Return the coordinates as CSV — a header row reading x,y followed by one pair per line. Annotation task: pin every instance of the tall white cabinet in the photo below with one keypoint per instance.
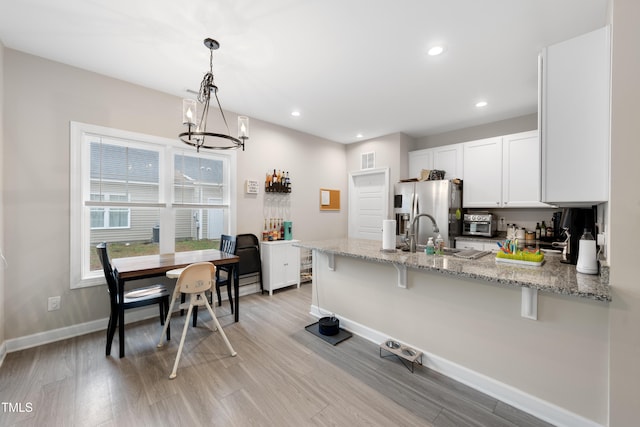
x,y
575,119
280,264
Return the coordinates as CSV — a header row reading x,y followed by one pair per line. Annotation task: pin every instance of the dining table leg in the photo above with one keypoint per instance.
x,y
236,291
121,317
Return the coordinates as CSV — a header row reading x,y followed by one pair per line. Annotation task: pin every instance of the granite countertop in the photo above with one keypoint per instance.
x,y
553,276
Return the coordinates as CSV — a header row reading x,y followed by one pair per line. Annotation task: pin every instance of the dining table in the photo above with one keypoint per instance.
x,y
145,266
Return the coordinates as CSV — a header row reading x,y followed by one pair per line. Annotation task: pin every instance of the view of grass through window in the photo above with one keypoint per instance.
x,y
124,250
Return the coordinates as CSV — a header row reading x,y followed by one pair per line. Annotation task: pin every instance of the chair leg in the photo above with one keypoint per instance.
x,y
219,328
121,330
184,334
229,295
195,316
165,304
111,330
167,322
219,296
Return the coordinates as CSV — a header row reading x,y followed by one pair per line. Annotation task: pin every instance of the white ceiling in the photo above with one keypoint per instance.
x,y
348,66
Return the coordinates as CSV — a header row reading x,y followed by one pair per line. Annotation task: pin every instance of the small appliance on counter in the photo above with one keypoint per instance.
x,y
288,230
587,254
479,224
573,224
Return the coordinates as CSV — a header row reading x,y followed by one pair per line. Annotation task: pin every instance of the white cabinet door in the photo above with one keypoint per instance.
x,y
574,113
449,158
280,264
482,186
521,171
418,160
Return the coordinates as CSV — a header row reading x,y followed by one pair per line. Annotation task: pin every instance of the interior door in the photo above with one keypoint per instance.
x,y
368,203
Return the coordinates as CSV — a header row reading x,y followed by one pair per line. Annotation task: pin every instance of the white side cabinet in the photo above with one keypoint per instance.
x,y
280,264
575,119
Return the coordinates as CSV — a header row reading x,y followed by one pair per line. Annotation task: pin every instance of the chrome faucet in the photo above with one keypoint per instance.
x,y
411,231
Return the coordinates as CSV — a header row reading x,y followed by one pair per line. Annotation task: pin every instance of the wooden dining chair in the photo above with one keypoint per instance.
x,y
139,297
194,281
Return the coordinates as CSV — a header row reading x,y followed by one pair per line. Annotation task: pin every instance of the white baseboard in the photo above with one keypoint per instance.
x,y
53,335
517,398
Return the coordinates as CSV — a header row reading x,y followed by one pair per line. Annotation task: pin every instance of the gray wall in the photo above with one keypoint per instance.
x,y
503,127
2,247
624,204
36,179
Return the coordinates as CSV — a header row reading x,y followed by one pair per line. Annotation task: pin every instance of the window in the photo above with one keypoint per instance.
x,y
143,195
110,217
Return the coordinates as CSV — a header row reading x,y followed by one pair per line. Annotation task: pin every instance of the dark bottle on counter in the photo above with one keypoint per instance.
x,y
538,231
543,230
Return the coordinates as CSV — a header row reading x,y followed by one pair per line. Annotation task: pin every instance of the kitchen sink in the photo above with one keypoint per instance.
x,y
450,251
420,248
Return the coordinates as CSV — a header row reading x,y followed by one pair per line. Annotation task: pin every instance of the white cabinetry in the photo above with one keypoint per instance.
x,y
503,172
448,158
482,186
418,160
574,113
521,171
280,264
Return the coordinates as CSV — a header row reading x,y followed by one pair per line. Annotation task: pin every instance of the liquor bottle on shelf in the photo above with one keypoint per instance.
x,y
265,231
274,230
281,229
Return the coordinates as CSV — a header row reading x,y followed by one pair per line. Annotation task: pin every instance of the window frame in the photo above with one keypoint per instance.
x,y
80,178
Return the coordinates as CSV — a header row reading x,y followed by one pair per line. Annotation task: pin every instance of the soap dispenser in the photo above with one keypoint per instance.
x,y
587,258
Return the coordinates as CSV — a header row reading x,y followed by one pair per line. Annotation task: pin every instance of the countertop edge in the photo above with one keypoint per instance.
x,y
384,257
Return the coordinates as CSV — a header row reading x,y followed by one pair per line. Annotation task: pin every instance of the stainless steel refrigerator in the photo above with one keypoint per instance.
x,y
441,199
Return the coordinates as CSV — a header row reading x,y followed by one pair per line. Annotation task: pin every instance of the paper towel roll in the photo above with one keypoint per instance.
x,y
388,234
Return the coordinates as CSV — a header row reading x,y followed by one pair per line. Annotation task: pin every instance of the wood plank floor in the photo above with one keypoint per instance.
x,y
282,376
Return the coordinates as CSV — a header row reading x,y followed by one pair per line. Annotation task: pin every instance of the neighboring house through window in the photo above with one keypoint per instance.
x,y
143,195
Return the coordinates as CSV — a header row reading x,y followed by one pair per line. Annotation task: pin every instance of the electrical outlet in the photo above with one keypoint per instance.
x,y
53,303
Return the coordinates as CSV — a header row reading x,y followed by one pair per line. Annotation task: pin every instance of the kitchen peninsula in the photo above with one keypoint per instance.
x,y
466,316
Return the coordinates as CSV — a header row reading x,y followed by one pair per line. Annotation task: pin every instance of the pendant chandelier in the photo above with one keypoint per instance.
x,y
197,134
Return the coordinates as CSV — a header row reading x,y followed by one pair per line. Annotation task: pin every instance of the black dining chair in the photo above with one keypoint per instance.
x,y
227,245
248,250
140,297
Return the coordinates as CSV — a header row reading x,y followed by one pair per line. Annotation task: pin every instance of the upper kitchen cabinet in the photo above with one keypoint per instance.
x,y
448,158
482,187
521,171
503,172
418,160
575,119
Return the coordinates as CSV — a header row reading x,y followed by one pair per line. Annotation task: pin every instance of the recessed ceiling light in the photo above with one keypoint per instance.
x,y
481,104
359,135
435,50
295,113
